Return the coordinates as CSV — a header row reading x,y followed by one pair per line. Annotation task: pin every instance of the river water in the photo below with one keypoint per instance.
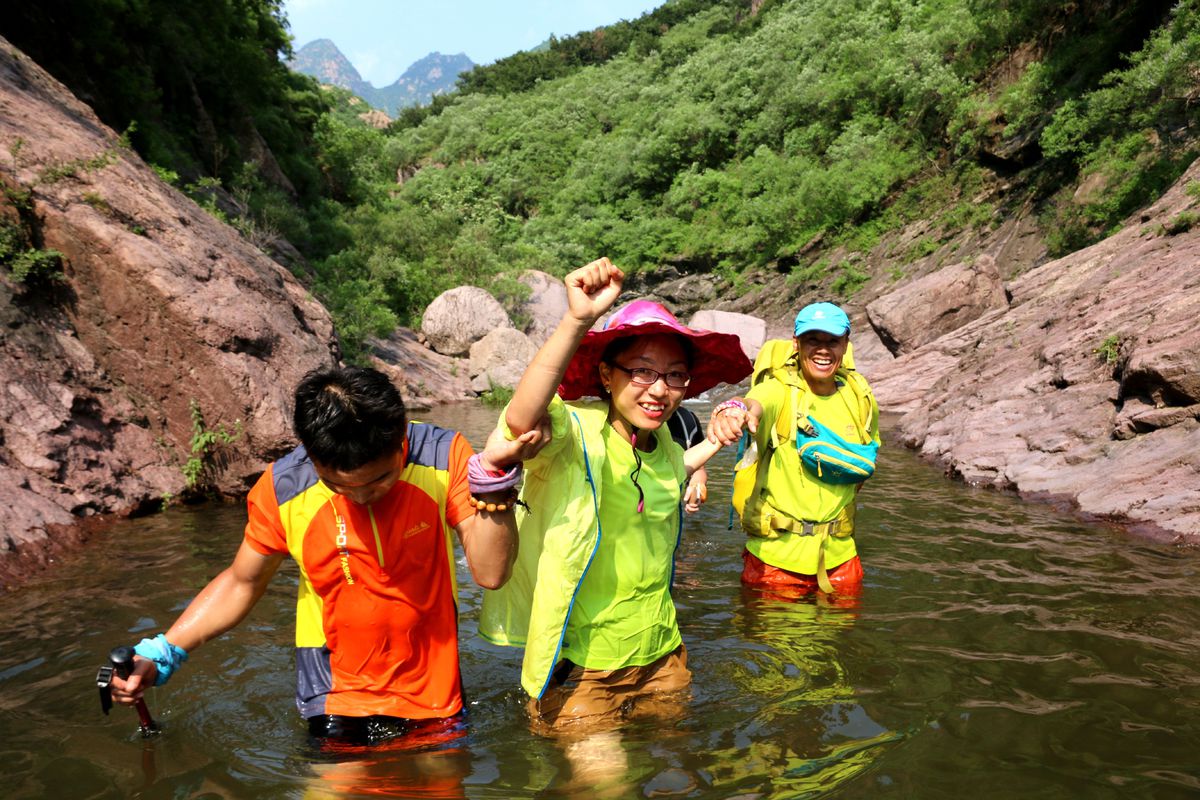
x,y
1000,650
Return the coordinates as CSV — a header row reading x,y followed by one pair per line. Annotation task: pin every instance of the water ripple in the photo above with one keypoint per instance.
x,y
998,648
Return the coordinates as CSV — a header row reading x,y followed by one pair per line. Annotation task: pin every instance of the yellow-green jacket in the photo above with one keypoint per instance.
x,y
559,534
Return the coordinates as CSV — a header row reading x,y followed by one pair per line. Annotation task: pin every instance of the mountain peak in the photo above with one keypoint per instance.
x,y
322,59
433,74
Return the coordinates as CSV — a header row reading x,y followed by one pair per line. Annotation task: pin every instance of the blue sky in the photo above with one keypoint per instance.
x,y
383,37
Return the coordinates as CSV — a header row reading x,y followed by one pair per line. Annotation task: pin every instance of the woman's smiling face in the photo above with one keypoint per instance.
x,y
644,407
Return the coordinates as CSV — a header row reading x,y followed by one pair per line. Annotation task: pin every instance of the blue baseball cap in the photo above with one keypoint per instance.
x,y
825,317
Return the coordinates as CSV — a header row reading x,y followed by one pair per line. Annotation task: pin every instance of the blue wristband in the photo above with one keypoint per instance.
x,y
166,656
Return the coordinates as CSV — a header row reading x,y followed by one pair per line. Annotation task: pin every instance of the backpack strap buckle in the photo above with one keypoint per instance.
x,y
810,528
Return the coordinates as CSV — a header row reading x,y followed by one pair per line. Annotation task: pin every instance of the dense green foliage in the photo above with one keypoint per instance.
x,y
723,141
1136,131
708,134
199,79
560,57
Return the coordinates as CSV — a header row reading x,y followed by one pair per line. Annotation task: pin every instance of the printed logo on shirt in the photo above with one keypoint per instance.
x,y
420,527
342,541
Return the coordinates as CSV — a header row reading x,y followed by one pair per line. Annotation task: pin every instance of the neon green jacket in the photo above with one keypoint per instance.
x,y
559,534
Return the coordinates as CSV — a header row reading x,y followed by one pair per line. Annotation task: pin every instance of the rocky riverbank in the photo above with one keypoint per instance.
x,y
1084,387
146,322
1076,380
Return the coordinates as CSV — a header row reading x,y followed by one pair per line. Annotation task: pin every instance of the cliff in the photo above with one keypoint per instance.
x,y
1085,388
139,313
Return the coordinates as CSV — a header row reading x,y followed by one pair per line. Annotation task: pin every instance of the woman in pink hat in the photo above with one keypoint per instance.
x,y
590,599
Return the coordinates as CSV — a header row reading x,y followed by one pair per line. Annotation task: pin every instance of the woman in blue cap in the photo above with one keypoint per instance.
x,y
815,425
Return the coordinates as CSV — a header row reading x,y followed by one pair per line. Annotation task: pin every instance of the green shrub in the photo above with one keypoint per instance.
x,y
209,450
1181,223
850,279
204,193
32,265
25,264
167,176
925,246
810,273
359,310
1109,350
496,396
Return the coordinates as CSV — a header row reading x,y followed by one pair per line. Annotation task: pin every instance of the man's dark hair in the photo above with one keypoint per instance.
x,y
348,416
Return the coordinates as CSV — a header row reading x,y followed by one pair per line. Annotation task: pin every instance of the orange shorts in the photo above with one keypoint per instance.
x,y
597,698
846,578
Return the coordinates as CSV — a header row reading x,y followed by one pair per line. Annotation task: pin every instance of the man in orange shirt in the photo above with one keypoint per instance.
x,y
365,506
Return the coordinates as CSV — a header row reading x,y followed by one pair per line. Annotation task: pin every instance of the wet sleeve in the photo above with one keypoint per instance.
x,y
264,531
560,433
458,491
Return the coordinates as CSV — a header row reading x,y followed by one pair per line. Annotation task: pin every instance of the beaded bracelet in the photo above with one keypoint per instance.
x,y
510,502
729,404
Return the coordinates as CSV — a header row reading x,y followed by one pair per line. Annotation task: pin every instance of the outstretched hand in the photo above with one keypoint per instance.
x,y
725,425
697,491
501,452
592,290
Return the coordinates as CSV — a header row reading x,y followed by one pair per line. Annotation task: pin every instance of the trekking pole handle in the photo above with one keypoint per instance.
x,y
122,664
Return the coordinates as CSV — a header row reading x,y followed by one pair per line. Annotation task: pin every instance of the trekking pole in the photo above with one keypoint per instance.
x,y
121,663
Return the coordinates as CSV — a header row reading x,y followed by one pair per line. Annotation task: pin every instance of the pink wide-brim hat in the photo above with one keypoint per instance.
x,y
717,357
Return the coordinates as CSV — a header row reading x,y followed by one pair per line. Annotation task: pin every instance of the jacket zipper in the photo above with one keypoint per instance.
x,y
378,541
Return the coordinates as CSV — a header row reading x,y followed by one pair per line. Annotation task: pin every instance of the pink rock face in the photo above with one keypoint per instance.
x,y
944,301
161,306
1086,388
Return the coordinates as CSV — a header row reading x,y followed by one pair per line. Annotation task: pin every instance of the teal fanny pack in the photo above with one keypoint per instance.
x,y
832,459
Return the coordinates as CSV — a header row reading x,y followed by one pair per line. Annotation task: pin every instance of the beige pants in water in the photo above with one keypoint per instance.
x,y
583,708
600,698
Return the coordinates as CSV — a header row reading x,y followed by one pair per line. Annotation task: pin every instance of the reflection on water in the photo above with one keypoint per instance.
x,y
999,649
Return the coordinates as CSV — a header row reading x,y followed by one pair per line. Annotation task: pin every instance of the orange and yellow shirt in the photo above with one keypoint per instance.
x,y
376,614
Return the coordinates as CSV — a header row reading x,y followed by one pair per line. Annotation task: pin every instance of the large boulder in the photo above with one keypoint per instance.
x,y
500,359
750,330
921,311
425,378
457,318
545,307
688,292
160,312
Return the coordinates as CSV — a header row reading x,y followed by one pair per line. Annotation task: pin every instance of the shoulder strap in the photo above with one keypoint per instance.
x,y
861,390
784,429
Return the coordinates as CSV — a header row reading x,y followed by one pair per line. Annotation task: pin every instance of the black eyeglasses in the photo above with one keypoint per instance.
x,y
643,376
